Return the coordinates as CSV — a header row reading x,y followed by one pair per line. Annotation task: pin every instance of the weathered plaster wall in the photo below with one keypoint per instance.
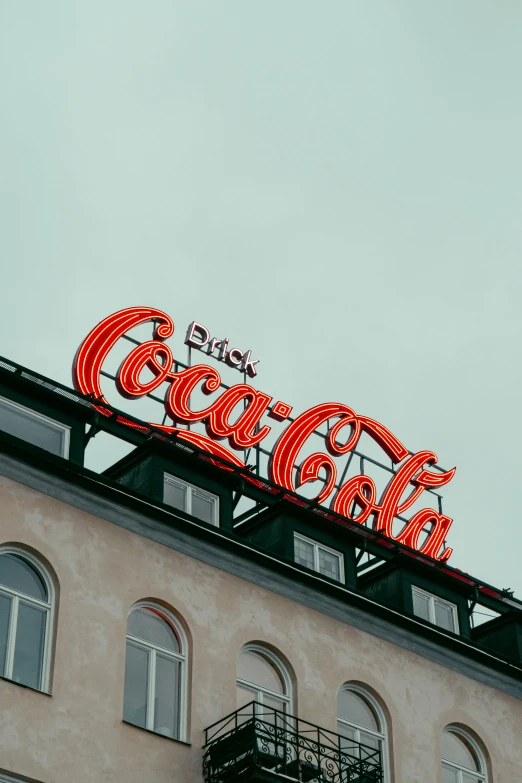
x,y
77,734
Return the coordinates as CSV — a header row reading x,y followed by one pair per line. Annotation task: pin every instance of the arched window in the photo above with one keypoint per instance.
x,y
155,672
360,721
261,677
26,608
462,761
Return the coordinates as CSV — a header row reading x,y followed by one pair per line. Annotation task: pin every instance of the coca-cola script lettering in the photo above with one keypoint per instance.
x,y
356,499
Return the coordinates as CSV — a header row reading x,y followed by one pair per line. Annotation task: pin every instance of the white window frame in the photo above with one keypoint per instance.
x,y
482,776
151,650
49,608
64,428
382,735
434,599
317,546
257,690
8,779
169,478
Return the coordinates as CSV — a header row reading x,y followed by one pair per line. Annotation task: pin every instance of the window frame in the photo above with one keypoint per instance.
x,y
49,607
286,698
383,735
65,428
317,545
434,599
6,778
187,485
152,650
483,775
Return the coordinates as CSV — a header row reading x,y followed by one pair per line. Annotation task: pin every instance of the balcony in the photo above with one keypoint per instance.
x,y
257,743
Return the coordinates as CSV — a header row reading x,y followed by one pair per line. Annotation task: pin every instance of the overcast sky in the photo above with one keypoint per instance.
x,y
335,185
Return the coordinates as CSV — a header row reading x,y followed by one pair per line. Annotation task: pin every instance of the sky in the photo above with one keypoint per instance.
x,y
336,186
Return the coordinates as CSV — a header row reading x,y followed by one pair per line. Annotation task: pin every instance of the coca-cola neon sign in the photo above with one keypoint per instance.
x,y
358,494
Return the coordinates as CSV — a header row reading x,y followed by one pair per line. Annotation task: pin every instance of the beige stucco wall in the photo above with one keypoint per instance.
x,y
77,735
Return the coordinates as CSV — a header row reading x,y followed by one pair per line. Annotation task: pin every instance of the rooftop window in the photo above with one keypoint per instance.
x,y
435,610
318,557
34,427
191,499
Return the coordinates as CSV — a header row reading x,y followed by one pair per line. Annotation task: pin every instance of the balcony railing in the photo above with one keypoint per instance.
x,y
256,743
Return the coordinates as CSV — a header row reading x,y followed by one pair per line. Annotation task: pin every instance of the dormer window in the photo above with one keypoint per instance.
x,y
318,557
34,427
191,499
435,610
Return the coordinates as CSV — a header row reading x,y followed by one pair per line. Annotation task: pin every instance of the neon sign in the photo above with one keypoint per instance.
x,y
357,499
198,336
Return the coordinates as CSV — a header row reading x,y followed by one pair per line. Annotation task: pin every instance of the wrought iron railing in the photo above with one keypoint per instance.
x,y
259,743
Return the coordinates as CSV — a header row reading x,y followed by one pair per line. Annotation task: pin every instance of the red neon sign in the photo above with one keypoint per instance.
x,y
358,493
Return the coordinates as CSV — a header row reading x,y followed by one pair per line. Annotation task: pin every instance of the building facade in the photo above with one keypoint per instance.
x,y
148,635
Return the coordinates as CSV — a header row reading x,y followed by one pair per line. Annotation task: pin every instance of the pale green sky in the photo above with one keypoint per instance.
x,y
333,180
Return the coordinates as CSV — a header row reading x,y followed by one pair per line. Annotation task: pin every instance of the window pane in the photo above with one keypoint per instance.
x,y
370,741
203,507
421,605
467,778
456,749
356,709
29,645
175,495
348,737
136,680
245,696
257,669
24,424
449,775
303,553
444,617
5,610
167,696
274,704
147,625
330,564
272,709
371,748
16,573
